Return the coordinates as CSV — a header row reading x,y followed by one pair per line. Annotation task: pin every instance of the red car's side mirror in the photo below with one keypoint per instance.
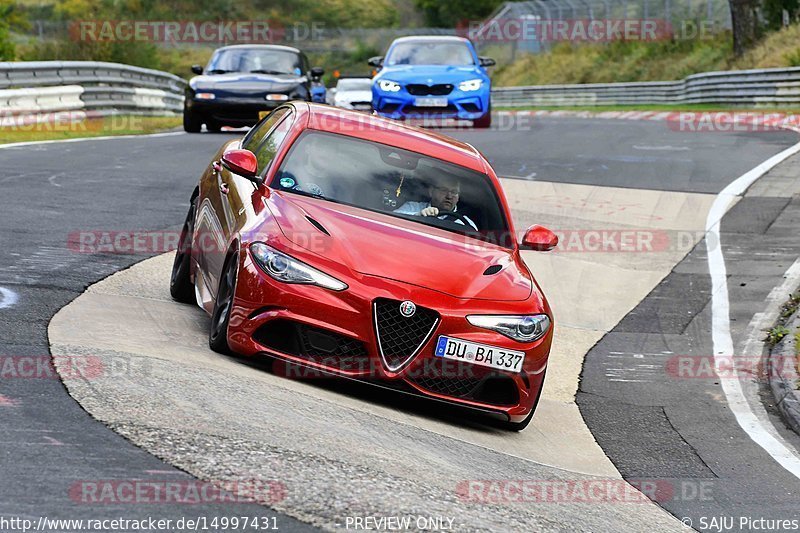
x,y
539,238
241,162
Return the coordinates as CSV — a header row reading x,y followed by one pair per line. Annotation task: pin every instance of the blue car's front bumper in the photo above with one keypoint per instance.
x,y
461,105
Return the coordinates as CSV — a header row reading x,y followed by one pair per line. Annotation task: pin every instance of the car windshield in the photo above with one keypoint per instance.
x,y
395,182
430,53
263,60
354,85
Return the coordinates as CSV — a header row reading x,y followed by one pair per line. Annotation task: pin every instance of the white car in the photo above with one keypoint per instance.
x,y
354,93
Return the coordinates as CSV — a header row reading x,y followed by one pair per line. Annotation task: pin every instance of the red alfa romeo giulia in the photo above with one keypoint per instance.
x,y
352,245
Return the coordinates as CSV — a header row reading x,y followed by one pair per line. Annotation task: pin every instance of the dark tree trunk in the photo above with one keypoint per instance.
x,y
745,24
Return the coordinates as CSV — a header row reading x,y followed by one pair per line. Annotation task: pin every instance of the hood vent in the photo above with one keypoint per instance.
x,y
318,225
494,269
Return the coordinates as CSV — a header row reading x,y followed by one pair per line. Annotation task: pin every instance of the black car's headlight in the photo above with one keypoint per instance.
x,y
287,269
521,328
204,96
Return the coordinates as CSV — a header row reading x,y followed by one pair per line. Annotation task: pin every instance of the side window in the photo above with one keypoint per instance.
x,y
260,130
269,147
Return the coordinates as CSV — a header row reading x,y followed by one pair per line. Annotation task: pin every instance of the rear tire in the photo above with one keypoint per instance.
x,y
180,284
519,426
485,121
191,122
223,304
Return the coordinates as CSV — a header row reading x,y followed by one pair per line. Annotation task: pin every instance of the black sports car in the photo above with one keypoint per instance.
x,y
242,83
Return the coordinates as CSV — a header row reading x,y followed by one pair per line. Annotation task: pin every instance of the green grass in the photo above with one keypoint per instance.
x,y
776,334
97,127
647,61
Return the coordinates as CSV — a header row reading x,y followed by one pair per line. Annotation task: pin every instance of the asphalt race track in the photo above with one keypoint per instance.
x,y
202,413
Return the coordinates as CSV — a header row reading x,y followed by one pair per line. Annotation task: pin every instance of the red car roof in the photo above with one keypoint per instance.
x,y
390,132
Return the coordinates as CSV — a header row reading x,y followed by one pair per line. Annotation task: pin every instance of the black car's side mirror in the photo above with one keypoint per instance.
x,y
487,61
376,61
197,69
317,72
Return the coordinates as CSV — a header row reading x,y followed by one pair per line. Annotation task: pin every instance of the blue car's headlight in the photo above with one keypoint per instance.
x,y
470,85
521,328
388,86
287,269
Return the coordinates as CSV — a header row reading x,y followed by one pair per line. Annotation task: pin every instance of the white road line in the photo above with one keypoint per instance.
x,y
7,297
82,139
720,318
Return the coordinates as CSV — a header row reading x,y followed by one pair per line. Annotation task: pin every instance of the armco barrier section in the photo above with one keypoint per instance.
x,y
43,87
758,87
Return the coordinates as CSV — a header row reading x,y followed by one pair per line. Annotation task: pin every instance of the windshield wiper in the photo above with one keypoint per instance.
x,y
263,71
306,193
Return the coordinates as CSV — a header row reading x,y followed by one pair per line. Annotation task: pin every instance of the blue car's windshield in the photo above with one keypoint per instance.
x,y
263,60
430,53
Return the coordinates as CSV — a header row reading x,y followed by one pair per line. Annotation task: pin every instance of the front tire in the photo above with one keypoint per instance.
x,y
180,284
191,122
223,305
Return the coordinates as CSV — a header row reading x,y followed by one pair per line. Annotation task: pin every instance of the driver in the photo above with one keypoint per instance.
x,y
444,192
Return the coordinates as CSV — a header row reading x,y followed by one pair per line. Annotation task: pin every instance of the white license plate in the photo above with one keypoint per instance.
x,y
430,102
479,354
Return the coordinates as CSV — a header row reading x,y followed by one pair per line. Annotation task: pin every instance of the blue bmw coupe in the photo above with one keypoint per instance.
x,y
433,77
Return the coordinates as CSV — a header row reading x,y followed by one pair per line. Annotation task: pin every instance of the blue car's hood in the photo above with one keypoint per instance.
x,y
436,73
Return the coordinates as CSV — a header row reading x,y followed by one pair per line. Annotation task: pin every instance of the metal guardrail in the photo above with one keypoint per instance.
x,y
38,87
758,87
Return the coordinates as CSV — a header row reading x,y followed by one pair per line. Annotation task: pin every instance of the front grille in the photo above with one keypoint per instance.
x,y
419,89
465,381
315,344
400,337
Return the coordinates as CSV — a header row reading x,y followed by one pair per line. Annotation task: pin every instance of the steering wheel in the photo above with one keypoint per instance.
x,y
455,216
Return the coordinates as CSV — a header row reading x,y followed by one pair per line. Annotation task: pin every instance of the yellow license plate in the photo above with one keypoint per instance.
x,y
262,114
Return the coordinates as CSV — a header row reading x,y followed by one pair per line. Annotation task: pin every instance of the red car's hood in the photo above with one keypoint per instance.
x,y
389,247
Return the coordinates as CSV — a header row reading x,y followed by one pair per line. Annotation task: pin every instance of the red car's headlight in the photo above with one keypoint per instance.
x,y
287,269
521,328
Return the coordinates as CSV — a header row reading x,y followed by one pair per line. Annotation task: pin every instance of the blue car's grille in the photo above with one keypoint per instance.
x,y
419,89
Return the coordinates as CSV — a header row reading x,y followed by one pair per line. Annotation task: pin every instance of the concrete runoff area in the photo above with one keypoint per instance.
x,y
210,410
